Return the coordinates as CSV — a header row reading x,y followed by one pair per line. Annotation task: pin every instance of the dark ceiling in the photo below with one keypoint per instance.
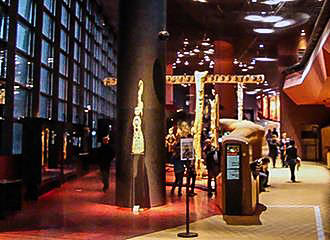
x,y
224,20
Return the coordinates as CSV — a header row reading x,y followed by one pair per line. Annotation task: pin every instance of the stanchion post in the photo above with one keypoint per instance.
x,y
187,233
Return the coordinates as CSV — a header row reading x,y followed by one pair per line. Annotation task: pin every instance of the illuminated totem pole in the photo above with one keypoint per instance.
x,y
198,123
215,121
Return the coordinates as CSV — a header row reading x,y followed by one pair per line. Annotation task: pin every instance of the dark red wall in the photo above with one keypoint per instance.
x,y
293,117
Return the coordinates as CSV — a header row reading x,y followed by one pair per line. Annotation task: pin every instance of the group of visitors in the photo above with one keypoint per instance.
x,y
285,147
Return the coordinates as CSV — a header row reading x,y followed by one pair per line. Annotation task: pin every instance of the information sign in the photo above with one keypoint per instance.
x,y
233,161
187,149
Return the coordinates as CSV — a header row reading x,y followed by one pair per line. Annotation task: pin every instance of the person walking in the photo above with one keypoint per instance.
x,y
106,154
178,171
273,150
291,158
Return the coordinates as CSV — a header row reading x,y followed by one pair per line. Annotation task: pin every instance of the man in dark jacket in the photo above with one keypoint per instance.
x,y
291,158
273,150
209,155
105,155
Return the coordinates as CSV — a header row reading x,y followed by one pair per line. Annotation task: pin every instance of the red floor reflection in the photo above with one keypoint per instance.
x,y
80,210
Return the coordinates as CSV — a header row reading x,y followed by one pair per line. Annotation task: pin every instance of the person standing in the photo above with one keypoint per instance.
x,y
178,171
209,154
269,137
273,150
274,132
291,158
106,155
283,143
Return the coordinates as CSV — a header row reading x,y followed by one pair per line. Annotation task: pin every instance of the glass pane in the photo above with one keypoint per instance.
x,y
67,2
24,36
76,52
45,107
3,63
47,26
26,9
64,41
77,31
65,17
63,65
62,89
23,70
78,11
50,5
47,54
76,73
75,94
75,116
17,138
61,111
21,107
4,24
45,81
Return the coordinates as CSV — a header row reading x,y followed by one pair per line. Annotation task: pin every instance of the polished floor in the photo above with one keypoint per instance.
x,y
80,210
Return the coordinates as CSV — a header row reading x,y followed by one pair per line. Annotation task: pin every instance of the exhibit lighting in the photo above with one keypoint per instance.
x,y
261,45
180,55
263,30
186,63
240,64
244,70
284,23
250,67
178,61
235,61
186,42
196,50
302,32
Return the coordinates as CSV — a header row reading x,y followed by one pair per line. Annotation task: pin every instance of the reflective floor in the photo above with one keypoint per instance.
x,y
80,210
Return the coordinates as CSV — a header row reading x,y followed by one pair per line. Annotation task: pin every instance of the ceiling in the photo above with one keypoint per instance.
x,y
224,20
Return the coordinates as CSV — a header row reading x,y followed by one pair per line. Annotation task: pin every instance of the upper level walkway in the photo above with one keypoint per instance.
x,y
79,210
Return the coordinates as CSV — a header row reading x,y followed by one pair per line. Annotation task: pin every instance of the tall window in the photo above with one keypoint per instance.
x,y
26,8
24,38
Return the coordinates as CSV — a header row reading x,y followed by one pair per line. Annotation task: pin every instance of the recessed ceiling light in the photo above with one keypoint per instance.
x,y
254,18
272,19
263,30
275,2
265,59
284,23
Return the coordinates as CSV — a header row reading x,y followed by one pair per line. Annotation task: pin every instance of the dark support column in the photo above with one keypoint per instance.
x,y
141,56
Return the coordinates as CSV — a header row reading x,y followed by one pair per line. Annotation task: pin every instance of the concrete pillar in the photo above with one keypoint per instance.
x,y
140,179
224,65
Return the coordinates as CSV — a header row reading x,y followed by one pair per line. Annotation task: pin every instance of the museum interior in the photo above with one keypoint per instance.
x,y
146,119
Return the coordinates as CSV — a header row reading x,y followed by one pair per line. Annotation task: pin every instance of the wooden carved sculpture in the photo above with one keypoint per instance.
x,y
198,123
215,121
138,138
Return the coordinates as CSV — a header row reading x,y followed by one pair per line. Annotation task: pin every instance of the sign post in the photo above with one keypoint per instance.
x,y
187,154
